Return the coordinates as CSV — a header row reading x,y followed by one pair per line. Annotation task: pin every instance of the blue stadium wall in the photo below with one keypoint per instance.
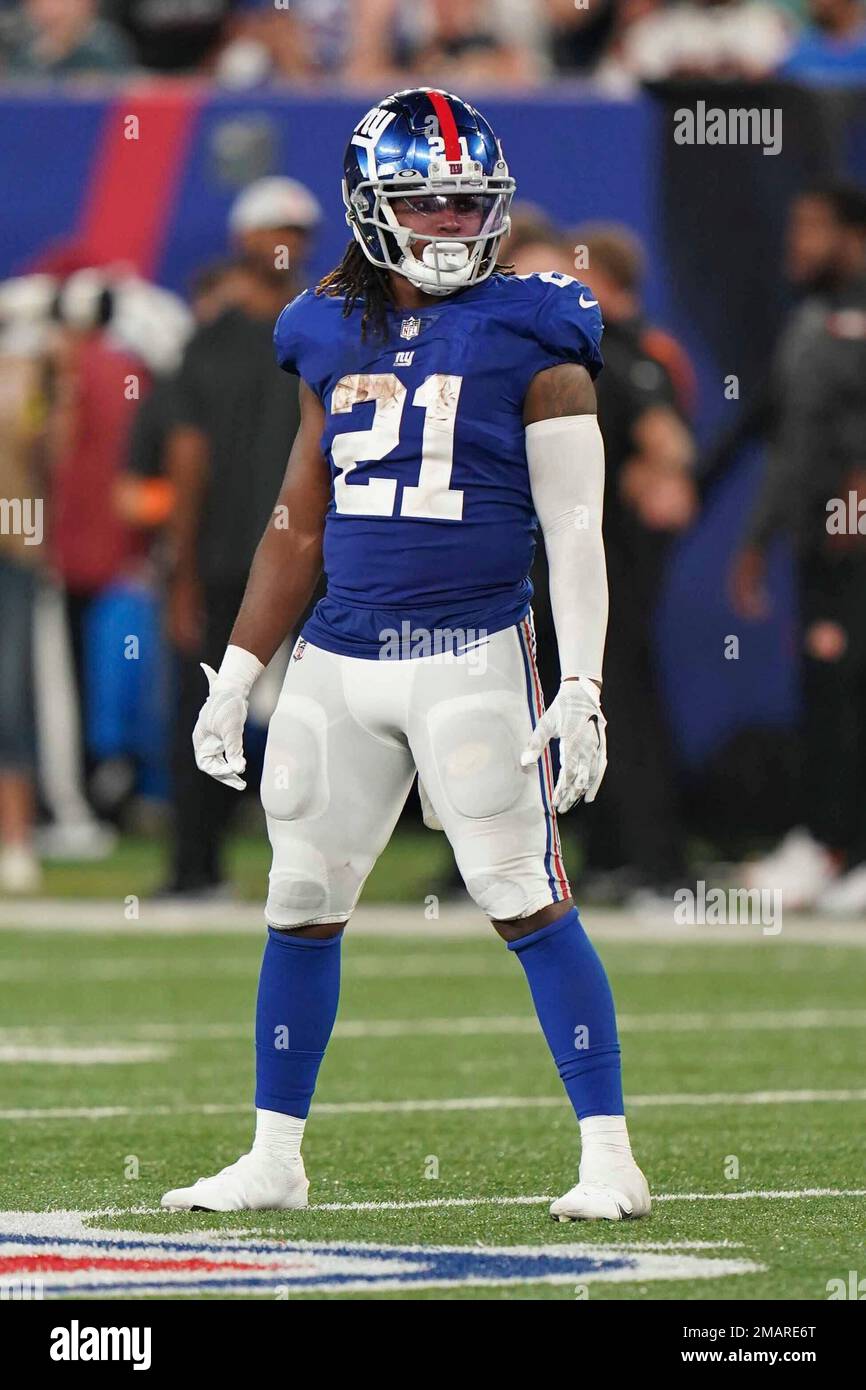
x,y
71,183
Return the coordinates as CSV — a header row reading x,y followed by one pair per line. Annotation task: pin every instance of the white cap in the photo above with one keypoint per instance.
x,y
274,202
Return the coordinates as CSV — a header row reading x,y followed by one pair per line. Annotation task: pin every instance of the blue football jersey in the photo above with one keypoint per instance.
x,y
430,526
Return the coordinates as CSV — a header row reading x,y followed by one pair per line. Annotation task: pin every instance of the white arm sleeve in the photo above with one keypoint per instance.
x,y
566,477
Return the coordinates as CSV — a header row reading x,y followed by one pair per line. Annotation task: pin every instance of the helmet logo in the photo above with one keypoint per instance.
x,y
371,127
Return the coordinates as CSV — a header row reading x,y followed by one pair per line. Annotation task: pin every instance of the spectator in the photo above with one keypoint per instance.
x,y
537,254
581,34
89,426
307,39
529,224
447,42
235,422
706,38
815,454
473,41
172,35
833,47
143,495
64,38
635,838
21,550
272,223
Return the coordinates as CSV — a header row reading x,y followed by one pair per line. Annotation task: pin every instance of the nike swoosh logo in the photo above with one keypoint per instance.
x,y
587,303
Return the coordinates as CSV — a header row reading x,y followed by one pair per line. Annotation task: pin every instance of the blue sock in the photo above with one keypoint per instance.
x,y
299,987
574,1004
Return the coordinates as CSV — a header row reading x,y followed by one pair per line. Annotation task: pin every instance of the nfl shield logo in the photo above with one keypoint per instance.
x,y
410,328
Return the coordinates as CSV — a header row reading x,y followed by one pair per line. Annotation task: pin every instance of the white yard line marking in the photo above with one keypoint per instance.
x,y
82,1056
442,1106
764,1020
405,921
434,1202
785,1195
444,1203
101,969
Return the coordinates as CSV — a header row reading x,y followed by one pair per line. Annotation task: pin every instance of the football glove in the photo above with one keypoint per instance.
x,y
218,737
575,718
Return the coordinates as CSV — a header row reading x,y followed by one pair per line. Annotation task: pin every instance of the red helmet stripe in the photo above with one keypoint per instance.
x,y
447,124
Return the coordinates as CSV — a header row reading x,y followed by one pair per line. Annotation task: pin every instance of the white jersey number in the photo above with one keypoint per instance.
x,y
432,497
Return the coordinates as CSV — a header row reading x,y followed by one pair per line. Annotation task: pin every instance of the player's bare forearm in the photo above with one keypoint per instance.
x,y
288,560
566,389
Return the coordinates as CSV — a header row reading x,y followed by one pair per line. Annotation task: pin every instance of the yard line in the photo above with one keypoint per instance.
x,y
435,1203
401,921
106,968
83,1056
784,1195
763,1020
440,1106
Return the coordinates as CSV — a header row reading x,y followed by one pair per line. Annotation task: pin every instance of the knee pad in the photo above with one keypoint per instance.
x,y
295,772
298,884
503,898
476,743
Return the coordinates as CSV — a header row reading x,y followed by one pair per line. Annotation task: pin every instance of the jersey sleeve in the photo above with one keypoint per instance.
x,y
290,335
567,323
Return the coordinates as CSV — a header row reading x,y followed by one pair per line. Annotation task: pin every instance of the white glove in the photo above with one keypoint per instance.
x,y
575,718
218,737
428,814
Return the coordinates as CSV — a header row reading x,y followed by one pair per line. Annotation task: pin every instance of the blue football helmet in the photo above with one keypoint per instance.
x,y
427,155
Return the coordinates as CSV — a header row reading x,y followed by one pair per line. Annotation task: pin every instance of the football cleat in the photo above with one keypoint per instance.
x,y
626,1198
427,152
251,1184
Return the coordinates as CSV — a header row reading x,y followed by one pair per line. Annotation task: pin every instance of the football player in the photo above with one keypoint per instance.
x,y
448,411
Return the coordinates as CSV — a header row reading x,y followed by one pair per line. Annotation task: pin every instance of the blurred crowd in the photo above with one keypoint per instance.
x,y
458,43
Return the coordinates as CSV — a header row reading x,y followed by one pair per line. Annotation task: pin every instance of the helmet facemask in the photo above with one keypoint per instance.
x,y
444,264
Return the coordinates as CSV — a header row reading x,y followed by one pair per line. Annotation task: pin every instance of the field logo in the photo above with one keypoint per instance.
x,y
72,1258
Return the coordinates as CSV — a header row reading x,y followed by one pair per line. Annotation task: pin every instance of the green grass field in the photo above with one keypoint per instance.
x,y
440,1024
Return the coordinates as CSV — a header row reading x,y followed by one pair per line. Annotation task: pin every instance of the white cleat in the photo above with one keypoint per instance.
x,y
625,1198
251,1184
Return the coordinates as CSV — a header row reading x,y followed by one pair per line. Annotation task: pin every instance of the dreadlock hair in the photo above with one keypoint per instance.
x,y
361,282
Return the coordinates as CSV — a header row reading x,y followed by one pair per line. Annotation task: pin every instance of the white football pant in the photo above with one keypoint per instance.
x,y
343,747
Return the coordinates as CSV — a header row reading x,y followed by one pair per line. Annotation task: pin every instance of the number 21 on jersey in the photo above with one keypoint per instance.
x,y
432,497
